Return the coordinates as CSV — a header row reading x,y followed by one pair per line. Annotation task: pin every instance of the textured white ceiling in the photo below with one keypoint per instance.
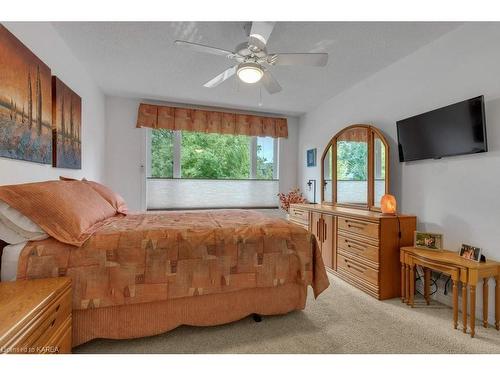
x,y
139,59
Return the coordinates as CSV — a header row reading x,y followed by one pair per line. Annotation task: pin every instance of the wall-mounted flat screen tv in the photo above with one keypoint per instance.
x,y
456,129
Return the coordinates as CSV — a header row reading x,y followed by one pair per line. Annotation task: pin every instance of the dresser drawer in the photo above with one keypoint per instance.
x,y
364,228
60,343
357,269
47,324
298,214
357,246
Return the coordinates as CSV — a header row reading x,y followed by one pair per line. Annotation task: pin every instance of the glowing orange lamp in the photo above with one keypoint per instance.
x,y
388,204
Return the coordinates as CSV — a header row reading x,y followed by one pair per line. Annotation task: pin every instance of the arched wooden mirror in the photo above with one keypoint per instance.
x,y
355,168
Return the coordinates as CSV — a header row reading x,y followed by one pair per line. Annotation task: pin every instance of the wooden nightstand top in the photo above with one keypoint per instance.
x,y
23,301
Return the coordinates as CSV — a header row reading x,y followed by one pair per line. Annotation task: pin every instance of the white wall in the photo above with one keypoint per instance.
x,y
457,196
125,152
45,42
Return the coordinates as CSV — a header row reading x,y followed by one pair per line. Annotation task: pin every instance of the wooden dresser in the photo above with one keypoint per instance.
x,y
359,246
35,316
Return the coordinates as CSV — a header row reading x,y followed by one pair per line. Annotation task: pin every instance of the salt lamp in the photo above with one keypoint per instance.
x,y
388,204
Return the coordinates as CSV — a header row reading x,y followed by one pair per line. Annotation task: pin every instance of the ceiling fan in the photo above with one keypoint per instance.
x,y
252,59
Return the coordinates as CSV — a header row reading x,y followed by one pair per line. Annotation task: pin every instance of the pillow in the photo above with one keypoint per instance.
x,y
18,221
16,228
66,210
114,199
12,237
9,235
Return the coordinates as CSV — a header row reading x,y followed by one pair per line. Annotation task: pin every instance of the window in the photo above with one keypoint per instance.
x,y
265,158
162,153
206,170
190,155
215,156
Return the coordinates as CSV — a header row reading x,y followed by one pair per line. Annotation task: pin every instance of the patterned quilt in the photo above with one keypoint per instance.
x,y
157,256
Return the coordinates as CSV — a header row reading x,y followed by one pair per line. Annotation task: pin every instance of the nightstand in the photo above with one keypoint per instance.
x,y
35,316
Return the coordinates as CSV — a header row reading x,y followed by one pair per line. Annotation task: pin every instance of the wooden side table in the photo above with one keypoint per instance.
x,y
466,271
35,316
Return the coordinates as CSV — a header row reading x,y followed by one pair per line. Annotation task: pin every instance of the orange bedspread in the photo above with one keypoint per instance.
x,y
159,256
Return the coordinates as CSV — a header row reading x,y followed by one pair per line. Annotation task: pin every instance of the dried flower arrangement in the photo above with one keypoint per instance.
x,y
294,196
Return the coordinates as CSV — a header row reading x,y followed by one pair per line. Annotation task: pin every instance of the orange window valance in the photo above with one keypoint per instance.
x,y
206,121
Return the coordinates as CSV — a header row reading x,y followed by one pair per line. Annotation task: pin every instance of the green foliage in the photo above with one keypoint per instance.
x,y
264,166
162,162
352,161
211,156
215,156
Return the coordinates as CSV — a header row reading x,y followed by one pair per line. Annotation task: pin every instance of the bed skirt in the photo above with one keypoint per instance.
x,y
153,318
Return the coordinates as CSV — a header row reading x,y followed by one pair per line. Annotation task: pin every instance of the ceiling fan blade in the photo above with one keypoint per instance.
x,y
259,34
312,59
228,73
271,85
204,48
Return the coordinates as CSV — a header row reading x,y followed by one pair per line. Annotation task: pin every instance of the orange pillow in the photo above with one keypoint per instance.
x,y
114,199
64,178
69,211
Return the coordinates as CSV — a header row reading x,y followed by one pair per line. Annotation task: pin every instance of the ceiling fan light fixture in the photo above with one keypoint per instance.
x,y
250,72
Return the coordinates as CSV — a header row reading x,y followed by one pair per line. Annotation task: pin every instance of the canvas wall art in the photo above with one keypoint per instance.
x,y
67,126
25,102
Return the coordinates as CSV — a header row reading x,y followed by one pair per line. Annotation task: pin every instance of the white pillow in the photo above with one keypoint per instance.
x,y
8,235
16,228
18,219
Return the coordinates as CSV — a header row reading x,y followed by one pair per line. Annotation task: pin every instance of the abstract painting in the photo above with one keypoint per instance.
x,y
67,126
25,102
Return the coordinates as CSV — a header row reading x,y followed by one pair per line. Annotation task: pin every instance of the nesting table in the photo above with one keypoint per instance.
x,y
465,271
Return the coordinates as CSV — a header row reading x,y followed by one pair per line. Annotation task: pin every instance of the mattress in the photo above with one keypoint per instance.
x,y
143,258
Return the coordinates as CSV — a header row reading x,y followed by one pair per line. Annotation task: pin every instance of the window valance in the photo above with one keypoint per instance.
x,y
200,120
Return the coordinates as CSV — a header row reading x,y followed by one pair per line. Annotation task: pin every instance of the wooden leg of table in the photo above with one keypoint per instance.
x,y
497,302
485,301
412,285
464,307
472,303
427,284
407,284
455,304
403,278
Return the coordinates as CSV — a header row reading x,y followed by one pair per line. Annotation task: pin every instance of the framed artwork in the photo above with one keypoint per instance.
x,y
423,240
25,103
311,157
66,126
470,252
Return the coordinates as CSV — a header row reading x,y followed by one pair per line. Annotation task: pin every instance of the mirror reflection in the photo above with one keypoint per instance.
x,y
352,166
380,155
327,175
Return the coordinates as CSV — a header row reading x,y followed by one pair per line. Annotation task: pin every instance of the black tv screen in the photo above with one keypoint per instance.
x,y
456,129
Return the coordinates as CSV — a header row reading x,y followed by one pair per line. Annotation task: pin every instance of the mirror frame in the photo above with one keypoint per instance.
x,y
372,132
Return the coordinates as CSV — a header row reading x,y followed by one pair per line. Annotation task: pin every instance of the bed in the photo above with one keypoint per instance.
x,y
141,274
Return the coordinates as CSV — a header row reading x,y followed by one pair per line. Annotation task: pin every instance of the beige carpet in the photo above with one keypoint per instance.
x,y
342,320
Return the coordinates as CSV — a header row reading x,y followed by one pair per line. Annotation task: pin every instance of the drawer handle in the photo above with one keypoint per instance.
x,y
357,222
57,308
362,270
355,226
357,247
52,323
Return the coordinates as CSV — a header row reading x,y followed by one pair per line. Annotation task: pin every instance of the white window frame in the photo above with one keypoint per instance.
x,y
177,149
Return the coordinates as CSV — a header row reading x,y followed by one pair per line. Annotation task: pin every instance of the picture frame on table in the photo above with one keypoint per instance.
x,y
425,240
470,252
